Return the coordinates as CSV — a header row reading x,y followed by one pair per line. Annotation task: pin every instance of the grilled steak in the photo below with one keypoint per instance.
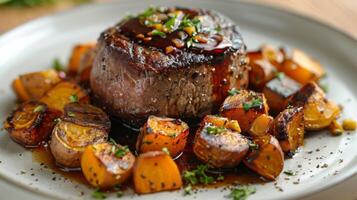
x,y
168,62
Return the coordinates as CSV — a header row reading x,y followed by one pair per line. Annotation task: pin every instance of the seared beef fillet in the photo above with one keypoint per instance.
x,y
140,71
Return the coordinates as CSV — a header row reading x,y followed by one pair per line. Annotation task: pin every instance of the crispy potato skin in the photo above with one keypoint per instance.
x,y
278,92
32,86
103,169
268,159
288,128
155,171
233,108
69,140
29,127
57,97
160,132
319,112
261,72
225,149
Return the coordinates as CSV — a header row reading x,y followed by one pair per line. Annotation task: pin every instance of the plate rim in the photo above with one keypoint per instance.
x,y
28,26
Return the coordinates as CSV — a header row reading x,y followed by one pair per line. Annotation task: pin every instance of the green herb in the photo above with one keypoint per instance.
x,y
241,193
121,151
113,141
97,194
218,28
120,194
170,23
166,150
220,178
214,130
40,108
156,32
253,146
57,120
280,75
233,92
198,175
187,190
73,98
324,87
289,173
71,114
187,22
147,13
57,65
257,102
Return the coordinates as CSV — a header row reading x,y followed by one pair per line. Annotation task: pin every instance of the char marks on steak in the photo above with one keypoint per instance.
x,y
134,75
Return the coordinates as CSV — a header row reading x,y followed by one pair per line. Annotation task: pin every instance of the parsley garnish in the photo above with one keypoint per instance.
x,y
170,23
97,194
214,130
253,146
257,102
187,190
113,141
198,175
39,108
241,193
57,65
166,150
147,13
73,98
71,114
289,173
233,92
121,151
156,32
218,28
280,75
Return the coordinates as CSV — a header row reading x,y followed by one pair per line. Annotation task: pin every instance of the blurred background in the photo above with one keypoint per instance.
x,y
341,14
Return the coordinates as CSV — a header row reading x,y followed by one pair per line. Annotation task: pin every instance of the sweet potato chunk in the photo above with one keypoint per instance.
x,y
158,133
319,112
218,145
32,86
106,165
244,107
279,91
261,72
289,129
155,171
63,93
302,68
80,58
267,52
261,126
69,140
30,123
266,160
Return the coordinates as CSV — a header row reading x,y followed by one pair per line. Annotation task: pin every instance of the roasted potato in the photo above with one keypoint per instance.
x,y
32,86
69,140
267,159
244,107
30,123
288,128
261,72
319,112
279,91
269,53
218,145
63,93
87,115
261,126
81,58
106,165
302,68
221,122
155,171
159,132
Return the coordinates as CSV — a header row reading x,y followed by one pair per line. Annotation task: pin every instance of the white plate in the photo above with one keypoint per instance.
x,y
32,47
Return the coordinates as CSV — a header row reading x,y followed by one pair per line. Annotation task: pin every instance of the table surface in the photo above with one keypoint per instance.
x,y
341,14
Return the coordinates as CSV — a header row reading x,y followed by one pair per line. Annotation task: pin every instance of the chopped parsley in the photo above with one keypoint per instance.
x,y
218,28
39,108
147,13
98,194
71,114
233,92
73,98
289,173
187,190
113,141
121,151
214,130
253,146
280,75
166,150
57,65
257,102
198,175
220,178
241,193
156,32
170,24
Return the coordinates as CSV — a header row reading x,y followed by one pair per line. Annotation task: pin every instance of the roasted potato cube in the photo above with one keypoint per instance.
x,y
261,72
33,86
81,58
349,124
319,112
266,160
159,132
69,140
279,91
244,107
219,146
63,93
267,52
30,123
302,68
288,128
261,126
221,122
335,128
87,115
155,171
106,165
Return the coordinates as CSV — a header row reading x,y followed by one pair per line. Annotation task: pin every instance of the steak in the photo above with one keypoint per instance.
x,y
157,64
